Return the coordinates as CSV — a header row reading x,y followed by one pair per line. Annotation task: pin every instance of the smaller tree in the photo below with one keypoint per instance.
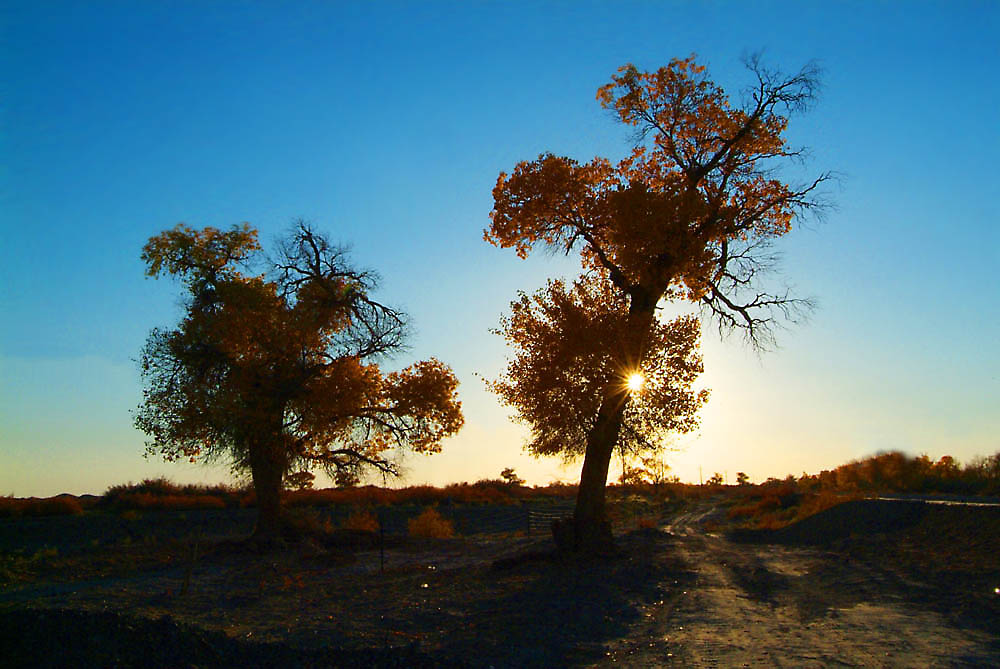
x,y
742,478
651,470
274,366
715,480
511,478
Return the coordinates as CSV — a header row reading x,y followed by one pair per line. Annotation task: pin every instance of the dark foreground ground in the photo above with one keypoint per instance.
x,y
863,584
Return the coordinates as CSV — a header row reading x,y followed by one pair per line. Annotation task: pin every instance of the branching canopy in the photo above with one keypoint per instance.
x,y
690,212
284,362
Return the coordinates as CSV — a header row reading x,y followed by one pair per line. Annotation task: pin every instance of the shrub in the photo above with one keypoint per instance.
x,y
430,524
53,506
10,506
145,501
646,523
361,520
48,506
304,522
161,493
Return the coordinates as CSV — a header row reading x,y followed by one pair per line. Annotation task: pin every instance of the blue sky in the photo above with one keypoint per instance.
x,y
386,124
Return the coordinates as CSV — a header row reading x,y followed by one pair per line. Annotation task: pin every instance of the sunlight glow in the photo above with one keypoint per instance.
x,y
635,382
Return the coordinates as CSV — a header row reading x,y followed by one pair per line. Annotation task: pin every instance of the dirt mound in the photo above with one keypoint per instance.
x,y
943,539
857,517
61,638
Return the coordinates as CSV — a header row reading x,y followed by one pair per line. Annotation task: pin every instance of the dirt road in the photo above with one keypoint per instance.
x,y
777,606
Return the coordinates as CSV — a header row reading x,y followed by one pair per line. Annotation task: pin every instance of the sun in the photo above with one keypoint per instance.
x,y
635,382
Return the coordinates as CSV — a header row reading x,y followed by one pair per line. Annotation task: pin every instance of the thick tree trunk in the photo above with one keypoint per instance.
x,y
267,466
589,530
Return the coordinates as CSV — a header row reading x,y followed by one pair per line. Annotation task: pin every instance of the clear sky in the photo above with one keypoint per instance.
x,y
386,124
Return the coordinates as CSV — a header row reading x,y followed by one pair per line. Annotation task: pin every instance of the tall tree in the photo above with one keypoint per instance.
x,y
687,215
278,371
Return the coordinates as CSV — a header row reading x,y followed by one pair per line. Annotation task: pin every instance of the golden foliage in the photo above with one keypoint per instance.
x,y
687,212
569,345
276,371
431,525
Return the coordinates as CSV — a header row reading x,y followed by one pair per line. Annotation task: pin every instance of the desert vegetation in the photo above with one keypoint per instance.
x,y
772,503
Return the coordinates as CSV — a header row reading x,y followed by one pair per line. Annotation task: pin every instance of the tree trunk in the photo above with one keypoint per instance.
x,y
267,467
589,530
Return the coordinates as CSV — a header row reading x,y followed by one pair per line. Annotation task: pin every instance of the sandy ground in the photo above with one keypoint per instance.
x,y
772,606
679,596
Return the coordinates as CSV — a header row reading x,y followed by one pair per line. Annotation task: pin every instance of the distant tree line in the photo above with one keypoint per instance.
x,y
898,472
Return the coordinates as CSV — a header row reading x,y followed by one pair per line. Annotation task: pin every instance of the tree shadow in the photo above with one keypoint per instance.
x,y
564,609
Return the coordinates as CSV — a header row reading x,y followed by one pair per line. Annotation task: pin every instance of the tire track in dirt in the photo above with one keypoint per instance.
x,y
777,606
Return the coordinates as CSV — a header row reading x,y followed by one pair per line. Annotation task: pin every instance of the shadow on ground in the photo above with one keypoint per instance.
x,y
563,611
535,609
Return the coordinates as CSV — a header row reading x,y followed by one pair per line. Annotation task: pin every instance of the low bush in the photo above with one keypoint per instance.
x,y
162,494
361,520
149,502
305,522
60,505
431,525
10,506
53,506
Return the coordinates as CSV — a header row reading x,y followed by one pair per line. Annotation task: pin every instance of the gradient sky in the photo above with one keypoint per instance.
x,y
386,124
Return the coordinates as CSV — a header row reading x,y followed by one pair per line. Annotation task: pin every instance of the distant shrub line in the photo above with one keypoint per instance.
x,y
897,472
773,503
162,494
34,506
777,503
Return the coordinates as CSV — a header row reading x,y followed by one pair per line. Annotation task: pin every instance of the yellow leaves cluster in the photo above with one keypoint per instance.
x,y
184,251
571,343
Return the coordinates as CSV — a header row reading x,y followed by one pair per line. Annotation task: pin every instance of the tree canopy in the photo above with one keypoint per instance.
x,y
275,364
690,212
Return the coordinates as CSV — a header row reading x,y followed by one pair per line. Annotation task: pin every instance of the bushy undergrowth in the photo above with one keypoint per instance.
x,y
360,520
773,507
770,504
162,494
482,492
898,472
431,525
11,507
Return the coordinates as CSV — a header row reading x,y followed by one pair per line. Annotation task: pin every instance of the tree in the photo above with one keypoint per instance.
x,y
278,371
651,470
511,478
742,478
687,215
